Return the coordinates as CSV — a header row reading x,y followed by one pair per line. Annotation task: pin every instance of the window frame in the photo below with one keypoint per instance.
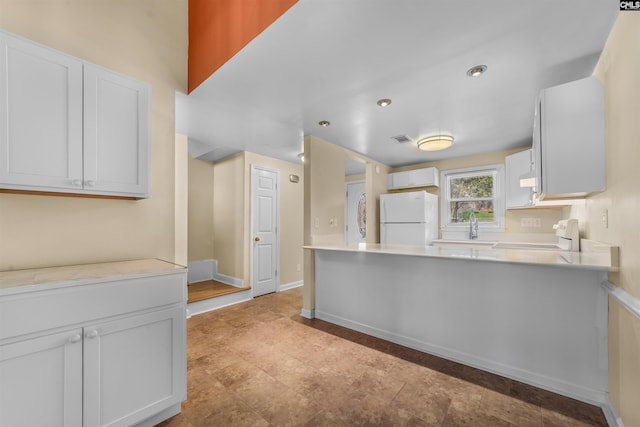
x,y
497,170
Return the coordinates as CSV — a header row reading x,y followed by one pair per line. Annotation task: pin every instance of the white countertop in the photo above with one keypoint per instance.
x,y
19,281
598,257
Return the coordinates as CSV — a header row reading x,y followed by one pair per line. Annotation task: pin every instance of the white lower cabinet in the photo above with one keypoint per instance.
x,y
132,367
99,354
41,381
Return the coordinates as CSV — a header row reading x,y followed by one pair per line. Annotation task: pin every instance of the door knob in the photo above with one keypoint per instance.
x,y
256,239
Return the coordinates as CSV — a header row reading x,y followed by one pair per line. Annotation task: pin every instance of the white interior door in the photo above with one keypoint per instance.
x,y
265,245
355,224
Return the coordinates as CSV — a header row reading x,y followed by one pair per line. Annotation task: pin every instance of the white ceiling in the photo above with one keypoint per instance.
x,y
333,59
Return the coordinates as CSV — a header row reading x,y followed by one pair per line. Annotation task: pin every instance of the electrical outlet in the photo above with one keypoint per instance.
x,y
530,222
316,222
605,218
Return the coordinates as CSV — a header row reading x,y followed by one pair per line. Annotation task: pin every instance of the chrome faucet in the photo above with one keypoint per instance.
x,y
473,226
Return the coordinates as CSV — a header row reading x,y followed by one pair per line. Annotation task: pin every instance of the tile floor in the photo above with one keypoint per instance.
x,y
260,363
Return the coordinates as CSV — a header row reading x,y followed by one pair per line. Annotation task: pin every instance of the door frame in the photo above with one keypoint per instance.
x,y
255,168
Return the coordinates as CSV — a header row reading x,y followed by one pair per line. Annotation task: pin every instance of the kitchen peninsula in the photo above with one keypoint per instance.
x,y
539,317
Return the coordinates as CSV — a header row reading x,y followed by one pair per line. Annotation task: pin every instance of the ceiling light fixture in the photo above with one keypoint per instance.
x,y
476,71
324,123
435,142
383,102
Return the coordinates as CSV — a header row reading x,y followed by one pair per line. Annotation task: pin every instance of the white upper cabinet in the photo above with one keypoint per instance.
x,y
116,133
40,117
69,126
516,165
568,140
425,177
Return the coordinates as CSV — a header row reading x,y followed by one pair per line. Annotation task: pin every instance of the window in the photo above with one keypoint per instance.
x,y
475,191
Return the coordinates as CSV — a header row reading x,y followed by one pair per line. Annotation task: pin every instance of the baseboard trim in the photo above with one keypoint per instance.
x,y
207,269
228,280
611,414
292,285
216,303
308,314
623,298
199,271
162,416
573,391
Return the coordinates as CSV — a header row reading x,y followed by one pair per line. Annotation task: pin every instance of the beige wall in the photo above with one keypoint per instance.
x,y
324,199
147,40
547,217
376,185
228,216
181,204
291,215
232,216
200,202
325,186
619,70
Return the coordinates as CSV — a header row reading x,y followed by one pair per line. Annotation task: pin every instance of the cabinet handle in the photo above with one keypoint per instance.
x,y
75,338
91,334
76,182
90,183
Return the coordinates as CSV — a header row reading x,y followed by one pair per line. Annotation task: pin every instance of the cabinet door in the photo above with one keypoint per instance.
x,y
41,381
572,139
116,133
40,117
134,367
399,180
517,165
424,177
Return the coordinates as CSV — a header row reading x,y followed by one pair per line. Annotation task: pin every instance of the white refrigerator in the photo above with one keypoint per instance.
x,y
409,218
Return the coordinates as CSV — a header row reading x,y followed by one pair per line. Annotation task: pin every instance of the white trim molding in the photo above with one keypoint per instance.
x,y
207,269
291,285
202,270
623,298
308,314
611,414
212,304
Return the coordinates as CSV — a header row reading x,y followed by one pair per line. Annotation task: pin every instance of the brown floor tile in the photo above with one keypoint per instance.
x,y
260,363
230,411
179,420
515,411
425,403
461,416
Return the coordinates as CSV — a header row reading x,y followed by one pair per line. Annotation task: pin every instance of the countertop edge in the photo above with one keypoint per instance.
x,y
109,271
599,263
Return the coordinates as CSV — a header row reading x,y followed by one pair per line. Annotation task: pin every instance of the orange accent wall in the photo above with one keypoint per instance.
x,y
218,29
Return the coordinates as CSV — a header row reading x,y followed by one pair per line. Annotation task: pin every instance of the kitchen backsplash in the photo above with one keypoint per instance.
x,y
532,220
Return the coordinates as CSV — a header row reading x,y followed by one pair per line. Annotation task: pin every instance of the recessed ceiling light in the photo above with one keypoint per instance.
x,y
476,71
324,123
435,142
383,102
